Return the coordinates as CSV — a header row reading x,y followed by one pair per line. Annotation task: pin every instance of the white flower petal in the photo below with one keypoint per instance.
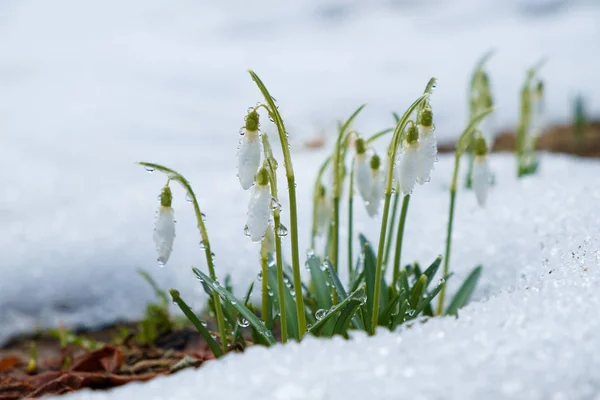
x,y
164,234
259,211
407,168
376,193
248,158
362,174
481,179
270,238
427,156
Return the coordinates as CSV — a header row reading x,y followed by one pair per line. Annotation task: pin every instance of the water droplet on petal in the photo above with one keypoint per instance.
x,y
320,314
161,262
247,231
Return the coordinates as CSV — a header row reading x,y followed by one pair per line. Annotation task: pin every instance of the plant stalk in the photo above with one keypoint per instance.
x,y
280,283
399,239
289,172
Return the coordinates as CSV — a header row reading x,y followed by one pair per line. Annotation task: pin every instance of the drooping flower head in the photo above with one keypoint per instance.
x,y
428,146
377,179
481,170
407,164
362,170
324,210
269,238
249,154
259,207
164,229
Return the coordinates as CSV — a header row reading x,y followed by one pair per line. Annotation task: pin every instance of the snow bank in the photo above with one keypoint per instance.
x,y
89,88
539,341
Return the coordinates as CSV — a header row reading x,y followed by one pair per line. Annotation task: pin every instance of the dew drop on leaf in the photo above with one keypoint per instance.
x,y
202,244
320,314
188,198
149,169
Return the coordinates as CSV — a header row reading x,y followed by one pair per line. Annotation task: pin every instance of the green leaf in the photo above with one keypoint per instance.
x,y
212,343
238,305
386,315
237,335
464,293
291,315
425,302
369,271
354,296
417,292
432,269
346,316
335,280
322,291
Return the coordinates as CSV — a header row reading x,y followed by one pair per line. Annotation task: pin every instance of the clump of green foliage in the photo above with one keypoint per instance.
x,y
329,304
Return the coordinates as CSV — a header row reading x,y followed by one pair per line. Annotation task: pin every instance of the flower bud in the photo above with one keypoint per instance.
x,y
481,170
427,152
407,162
250,150
164,229
362,170
259,207
377,186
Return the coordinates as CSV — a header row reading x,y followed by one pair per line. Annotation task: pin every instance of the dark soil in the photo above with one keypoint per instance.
x,y
61,370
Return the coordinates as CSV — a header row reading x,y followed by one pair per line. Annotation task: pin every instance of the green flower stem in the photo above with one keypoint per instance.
x,y
396,140
464,141
441,298
390,233
338,178
399,239
289,172
266,303
175,176
280,283
313,232
351,223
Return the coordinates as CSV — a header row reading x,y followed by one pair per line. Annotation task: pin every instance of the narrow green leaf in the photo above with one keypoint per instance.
x,y
432,269
238,305
425,302
237,334
335,280
417,292
369,271
212,343
354,296
319,279
346,316
464,293
386,315
291,315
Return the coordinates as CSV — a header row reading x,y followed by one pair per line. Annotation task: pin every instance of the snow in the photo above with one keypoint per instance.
x,y
90,88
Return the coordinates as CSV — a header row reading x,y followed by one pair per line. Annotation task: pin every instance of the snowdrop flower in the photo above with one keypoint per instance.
x,y
164,229
323,211
362,170
259,207
427,151
407,164
377,178
249,154
269,238
481,171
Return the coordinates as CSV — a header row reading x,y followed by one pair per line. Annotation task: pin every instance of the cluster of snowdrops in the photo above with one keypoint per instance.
x,y
325,306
